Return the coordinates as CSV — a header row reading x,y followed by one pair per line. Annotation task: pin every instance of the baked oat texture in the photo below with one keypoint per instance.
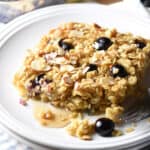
x,y
58,69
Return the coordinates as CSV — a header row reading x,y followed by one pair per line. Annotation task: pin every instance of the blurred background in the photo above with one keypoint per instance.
x,y
9,9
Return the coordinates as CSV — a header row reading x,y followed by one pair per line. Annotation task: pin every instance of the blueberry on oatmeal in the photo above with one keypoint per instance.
x,y
118,71
102,43
104,126
65,45
92,67
140,44
38,78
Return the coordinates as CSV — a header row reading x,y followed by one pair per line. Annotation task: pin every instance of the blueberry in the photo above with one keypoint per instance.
x,y
146,3
38,78
48,81
140,44
104,126
65,45
118,71
36,81
102,43
32,84
92,67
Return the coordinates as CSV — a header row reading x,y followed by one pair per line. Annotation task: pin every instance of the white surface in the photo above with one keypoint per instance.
x,y
136,7
24,33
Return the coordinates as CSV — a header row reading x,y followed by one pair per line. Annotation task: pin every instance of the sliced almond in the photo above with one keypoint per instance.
x,y
51,55
67,80
39,64
75,33
64,68
60,60
85,70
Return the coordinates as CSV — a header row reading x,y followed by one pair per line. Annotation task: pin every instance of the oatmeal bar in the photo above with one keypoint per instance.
x,y
85,67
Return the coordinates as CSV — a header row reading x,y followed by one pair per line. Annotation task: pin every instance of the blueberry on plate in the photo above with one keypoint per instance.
x,y
65,45
92,67
102,43
140,44
118,71
104,126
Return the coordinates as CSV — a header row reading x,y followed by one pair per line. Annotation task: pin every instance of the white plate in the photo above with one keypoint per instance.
x,y
24,33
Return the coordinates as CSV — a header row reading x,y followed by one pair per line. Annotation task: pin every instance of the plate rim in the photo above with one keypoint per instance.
x,y
3,37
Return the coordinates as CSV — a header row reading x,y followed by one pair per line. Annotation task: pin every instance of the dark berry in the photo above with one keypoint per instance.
x,y
140,44
32,84
146,3
35,82
38,78
104,126
48,81
102,43
92,67
65,45
118,71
